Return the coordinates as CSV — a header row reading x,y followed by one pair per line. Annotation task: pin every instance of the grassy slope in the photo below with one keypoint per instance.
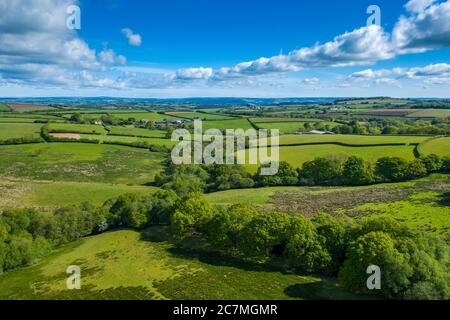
x,y
128,139
200,115
122,265
4,107
80,162
18,130
84,128
291,127
50,194
430,113
131,131
421,204
350,139
439,146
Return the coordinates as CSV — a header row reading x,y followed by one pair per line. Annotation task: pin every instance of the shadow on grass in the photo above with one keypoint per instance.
x,y
195,248
444,199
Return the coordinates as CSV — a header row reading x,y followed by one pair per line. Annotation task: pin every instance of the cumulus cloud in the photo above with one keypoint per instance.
x,y
193,73
37,48
428,28
311,81
430,74
134,39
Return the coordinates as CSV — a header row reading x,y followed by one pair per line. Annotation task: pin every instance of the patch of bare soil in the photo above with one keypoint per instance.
x,y
73,136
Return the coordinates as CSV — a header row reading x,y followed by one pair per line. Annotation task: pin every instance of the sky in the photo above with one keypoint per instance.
x,y
199,48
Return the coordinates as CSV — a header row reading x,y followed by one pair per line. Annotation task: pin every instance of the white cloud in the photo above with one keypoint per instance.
x,y
134,39
311,81
193,73
427,29
418,5
37,48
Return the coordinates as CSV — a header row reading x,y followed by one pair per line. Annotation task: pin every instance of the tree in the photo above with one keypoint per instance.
x,y
191,214
286,175
445,164
332,235
356,172
224,229
160,205
321,171
432,162
265,235
129,210
416,169
391,169
303,248
375,248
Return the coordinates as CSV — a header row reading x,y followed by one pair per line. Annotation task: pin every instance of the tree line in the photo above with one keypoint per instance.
x,y
322,171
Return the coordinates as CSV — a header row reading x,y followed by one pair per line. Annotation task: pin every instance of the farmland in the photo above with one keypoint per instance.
x,y
119,152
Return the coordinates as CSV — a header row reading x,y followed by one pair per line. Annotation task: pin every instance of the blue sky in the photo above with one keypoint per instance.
x,y
179,48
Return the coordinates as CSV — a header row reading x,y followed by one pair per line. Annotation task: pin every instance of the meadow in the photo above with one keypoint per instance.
x,y
126,264
128,139
297,155
199,115
292,127
138,132
439,146
76,128
16,130
80,162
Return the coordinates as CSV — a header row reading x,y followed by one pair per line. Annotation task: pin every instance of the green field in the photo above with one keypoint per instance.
x,y
132,131
430,113
199,115
128,265
149,116
439,146
227,124
128,139
78,128
80,162
297,155
291,127
349,139
16,130
280,119
47,195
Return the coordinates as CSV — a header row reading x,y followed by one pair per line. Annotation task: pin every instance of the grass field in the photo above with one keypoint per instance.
x,y
26,107
291,127
439,146
430,113
276,119
47,195
199,115
79,128
128,139
227,124
16,130
132,131
149,116
350,139
126,264
297,155
80,162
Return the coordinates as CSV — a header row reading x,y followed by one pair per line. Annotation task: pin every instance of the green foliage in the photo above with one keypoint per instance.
x,y
286,176
190,215
391,169
432,162
357,172
322,171
129,210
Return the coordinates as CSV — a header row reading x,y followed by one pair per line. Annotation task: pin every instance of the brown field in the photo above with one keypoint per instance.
x,y
389,112
74,136
26,107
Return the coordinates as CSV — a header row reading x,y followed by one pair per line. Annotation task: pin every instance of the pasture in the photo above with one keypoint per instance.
x,y
4,107
227,124
439,146
26,107
128,139
76,128
47,195
430,113
138,132
297,155
126,264
80,162
199,115
16,130
292,127
350,139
